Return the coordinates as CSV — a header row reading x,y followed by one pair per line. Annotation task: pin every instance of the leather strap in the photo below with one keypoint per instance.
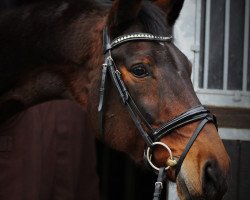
x,y
102,99
194,114
128,101
190,143
135,37
159,183
101,105
137,122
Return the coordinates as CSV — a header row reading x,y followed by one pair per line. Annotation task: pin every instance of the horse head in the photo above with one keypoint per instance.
x,y
156,76
150,99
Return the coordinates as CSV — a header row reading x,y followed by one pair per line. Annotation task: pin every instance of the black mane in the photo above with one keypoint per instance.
x,y
150,16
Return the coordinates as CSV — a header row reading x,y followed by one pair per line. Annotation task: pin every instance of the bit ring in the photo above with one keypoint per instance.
x,y
149,155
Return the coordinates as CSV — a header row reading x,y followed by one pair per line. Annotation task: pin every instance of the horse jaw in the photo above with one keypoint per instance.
x,y
195,181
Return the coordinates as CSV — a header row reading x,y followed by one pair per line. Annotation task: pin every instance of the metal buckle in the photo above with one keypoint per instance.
x,y
159,183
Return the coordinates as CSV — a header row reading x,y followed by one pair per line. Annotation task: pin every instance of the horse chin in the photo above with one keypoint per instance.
x,y
187,191
183,189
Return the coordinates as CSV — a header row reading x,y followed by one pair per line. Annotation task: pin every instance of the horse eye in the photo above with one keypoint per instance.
x,y
139,71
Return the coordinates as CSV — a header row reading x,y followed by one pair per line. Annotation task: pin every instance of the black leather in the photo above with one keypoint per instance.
x,y
194,114
159,184
102,99
190,143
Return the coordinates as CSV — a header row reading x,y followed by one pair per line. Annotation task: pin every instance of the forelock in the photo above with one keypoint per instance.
x,y
154,19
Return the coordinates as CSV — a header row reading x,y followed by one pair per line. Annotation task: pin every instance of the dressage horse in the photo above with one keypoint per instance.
x,y
120,64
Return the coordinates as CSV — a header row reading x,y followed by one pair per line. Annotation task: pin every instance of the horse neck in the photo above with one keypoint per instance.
x,y
76,57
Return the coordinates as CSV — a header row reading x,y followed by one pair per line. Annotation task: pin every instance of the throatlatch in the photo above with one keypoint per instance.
x,y
151,136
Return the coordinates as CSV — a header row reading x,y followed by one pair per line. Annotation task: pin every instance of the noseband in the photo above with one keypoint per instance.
x,y
150,135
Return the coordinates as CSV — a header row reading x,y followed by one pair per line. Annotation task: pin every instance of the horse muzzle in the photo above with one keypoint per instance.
x,y
214,183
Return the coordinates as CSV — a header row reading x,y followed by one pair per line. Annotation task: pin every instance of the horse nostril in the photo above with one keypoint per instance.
x,y
214,181
210,174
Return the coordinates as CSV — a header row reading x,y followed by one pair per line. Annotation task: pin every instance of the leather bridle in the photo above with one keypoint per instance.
x,y
151,135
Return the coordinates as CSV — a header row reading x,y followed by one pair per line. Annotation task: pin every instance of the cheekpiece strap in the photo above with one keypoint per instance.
x,y
136,37
101,105
159,183
106,41
189,145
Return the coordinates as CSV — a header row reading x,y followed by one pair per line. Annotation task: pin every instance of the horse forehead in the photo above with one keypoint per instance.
x,y
172,58
147,48
162,54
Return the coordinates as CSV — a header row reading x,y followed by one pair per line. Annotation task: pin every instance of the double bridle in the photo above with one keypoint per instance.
x,y
150,135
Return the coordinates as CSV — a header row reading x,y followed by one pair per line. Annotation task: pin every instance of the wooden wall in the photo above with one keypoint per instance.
x,y
239,188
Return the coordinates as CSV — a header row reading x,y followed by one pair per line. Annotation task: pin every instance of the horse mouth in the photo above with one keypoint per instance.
x,y
186,192
182,189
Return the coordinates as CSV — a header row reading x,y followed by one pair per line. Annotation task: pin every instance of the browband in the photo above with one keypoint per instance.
x,y
135,37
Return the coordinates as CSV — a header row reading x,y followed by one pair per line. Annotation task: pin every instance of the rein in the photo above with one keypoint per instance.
x,y
151,136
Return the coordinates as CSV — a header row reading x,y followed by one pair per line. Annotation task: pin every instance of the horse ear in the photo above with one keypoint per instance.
x,y
121,13
171,7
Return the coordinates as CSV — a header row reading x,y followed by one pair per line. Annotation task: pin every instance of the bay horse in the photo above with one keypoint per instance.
x,y
55,50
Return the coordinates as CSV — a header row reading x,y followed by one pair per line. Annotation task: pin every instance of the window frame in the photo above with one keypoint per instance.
x,y
213,97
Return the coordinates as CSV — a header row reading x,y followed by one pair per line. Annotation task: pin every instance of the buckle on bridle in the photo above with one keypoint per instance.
x,y
159,184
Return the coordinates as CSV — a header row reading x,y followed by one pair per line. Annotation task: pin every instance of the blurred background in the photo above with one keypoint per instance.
x,y
214,34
